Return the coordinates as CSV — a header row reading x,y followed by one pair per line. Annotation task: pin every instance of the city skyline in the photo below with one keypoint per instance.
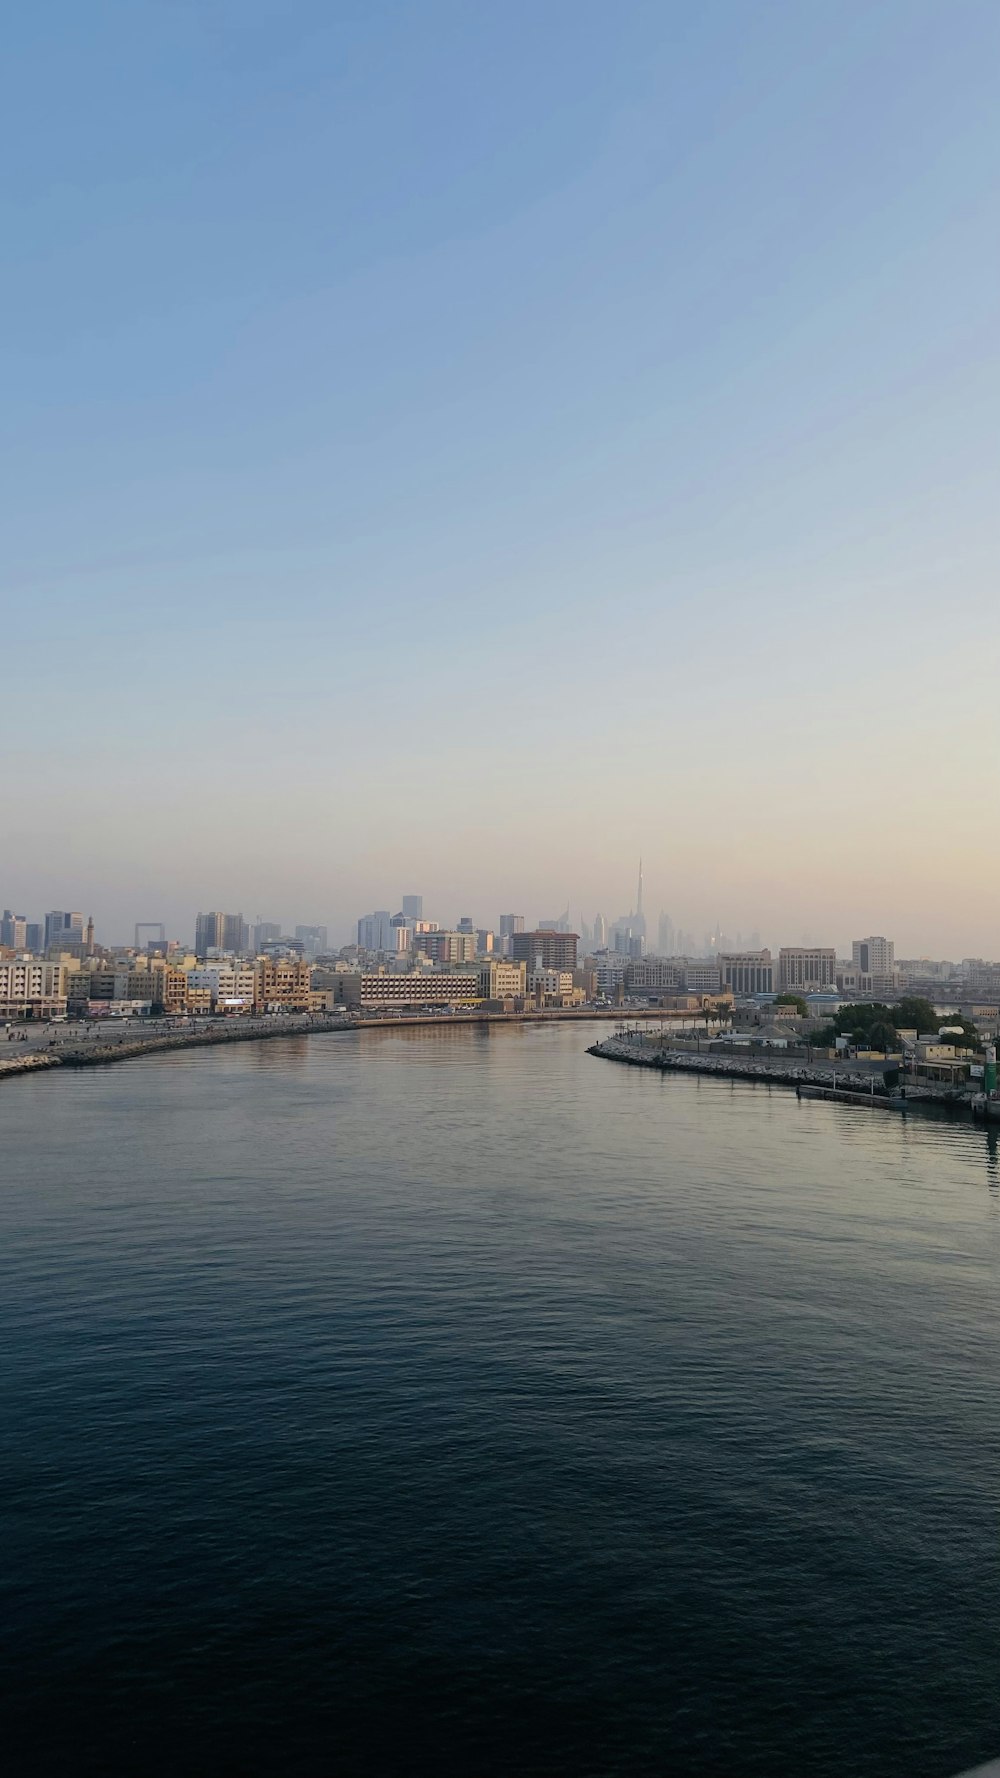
x,y
229,929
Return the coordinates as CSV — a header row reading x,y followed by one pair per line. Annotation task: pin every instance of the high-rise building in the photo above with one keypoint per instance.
x,y
13,930
312,939
63,928
413,907
639,918
400,934
465,924
509,924
874,956
375,931
235,933
665,936
208,934
265,932
558,923
220,932
550,948
33,935
600,932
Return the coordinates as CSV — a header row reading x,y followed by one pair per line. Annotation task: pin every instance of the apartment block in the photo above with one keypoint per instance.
x,y
547,947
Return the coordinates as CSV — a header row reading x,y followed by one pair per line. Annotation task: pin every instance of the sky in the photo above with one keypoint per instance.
x,y
458,448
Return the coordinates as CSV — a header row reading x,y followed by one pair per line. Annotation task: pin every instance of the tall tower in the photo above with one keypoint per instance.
x,y
639,919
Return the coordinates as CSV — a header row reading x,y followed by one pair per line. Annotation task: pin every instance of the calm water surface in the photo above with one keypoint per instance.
x,y
455,1403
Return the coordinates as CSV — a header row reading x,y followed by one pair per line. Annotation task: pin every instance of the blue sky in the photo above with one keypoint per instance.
x,y
457,447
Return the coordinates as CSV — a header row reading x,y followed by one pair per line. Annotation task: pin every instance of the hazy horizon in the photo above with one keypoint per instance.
x,y
458,449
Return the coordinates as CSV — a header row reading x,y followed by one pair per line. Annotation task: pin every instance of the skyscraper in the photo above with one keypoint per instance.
x,y
639,918
312,940
235,933
413,907
220,932
665,936
509,924
600,933
264,932
375,931
13,930
61,928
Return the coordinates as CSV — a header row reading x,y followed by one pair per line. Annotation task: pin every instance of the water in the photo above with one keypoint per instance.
x,y
455,1403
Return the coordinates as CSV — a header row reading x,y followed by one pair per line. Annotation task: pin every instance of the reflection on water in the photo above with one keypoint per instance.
x,y
446,1400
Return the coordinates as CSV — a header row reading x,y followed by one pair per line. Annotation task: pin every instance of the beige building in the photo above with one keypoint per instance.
x,y
806,968
747,972
552,987
381,988
281,986
499,980
32,985
858,984
444,948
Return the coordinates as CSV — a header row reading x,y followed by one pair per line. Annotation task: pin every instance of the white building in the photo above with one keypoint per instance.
x,y
873,956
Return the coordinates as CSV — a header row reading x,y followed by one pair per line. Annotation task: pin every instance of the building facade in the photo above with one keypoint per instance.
x,y
447,948
807,968
32,987
746,972
874,956
553,950
422,988
502,980
221,932
63,929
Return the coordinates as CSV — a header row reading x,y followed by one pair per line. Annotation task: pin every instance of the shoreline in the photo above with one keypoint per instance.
x,y
98,1054
808,1082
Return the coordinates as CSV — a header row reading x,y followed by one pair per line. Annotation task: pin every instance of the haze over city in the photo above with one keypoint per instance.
x,y
499,916
467,447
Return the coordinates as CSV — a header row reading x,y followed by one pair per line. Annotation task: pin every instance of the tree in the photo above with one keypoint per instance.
x,y
795,1000
868,1025
916,1014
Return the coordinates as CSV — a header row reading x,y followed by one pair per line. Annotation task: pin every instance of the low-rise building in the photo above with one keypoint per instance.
x,y
281,985
552,987
32,987
501,980
424,988
230,984
858,984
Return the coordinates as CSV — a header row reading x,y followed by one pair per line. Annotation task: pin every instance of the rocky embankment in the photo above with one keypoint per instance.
x,y
852,1085
96,1054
